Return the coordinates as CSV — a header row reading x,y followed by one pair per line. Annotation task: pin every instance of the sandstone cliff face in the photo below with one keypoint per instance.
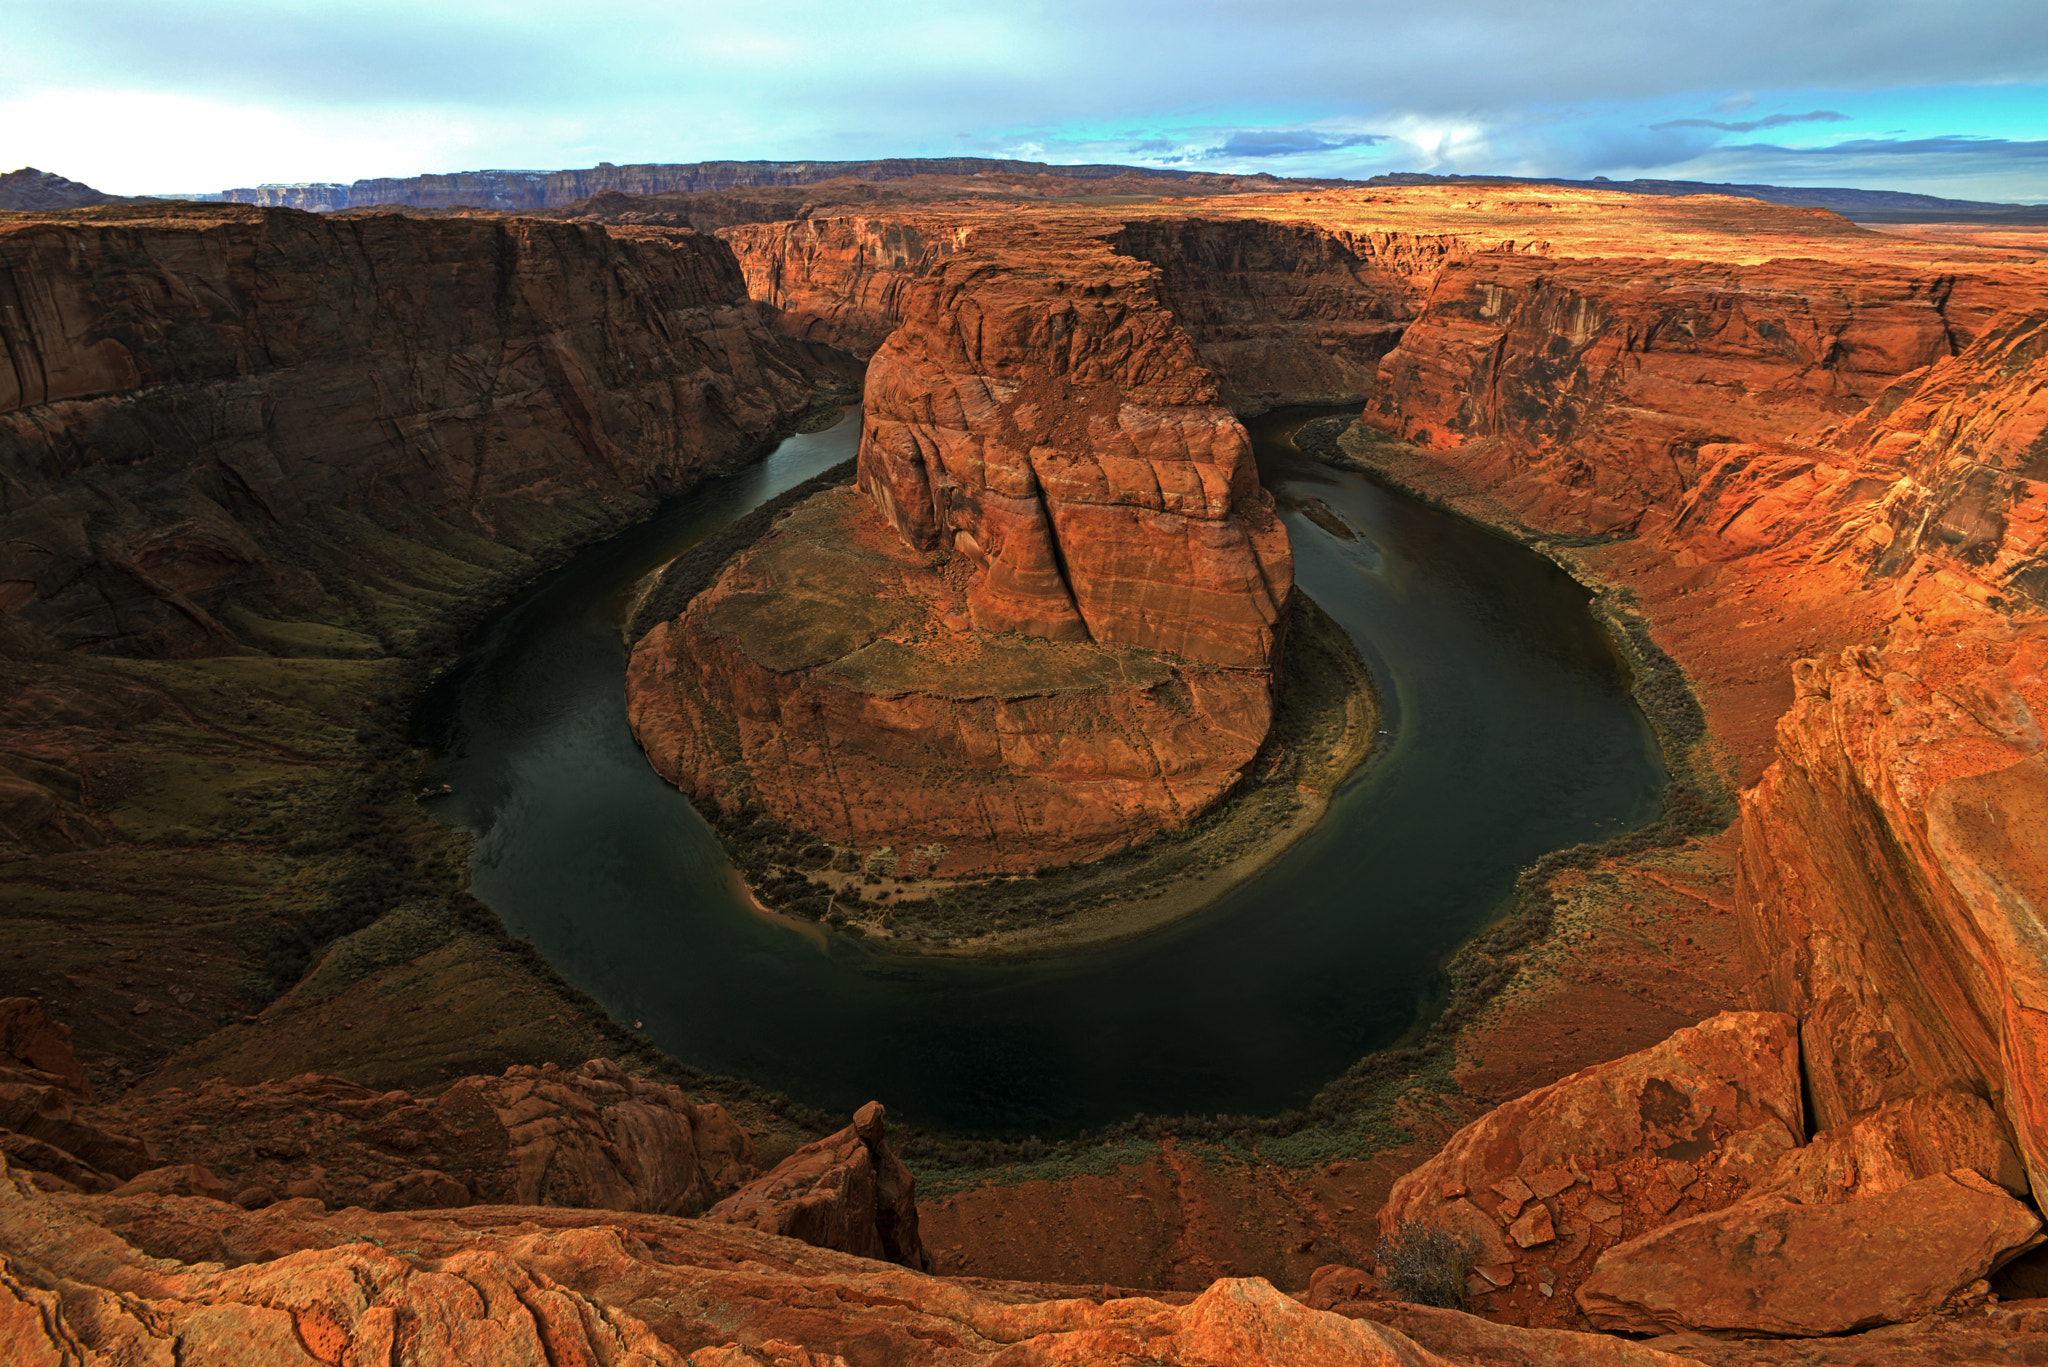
x,y
1041,413
1587,388
1937,486
842,280
1889,893
1892,877
1285,312
1278,312
189,394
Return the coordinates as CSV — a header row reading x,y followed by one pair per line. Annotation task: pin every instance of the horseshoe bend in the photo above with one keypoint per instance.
x,y
1737,1080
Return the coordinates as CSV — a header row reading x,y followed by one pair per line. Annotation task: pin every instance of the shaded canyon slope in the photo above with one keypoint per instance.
x,y
244,431
183,385
1045,627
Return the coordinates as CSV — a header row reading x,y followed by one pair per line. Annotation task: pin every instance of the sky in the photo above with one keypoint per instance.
x,y
1945,97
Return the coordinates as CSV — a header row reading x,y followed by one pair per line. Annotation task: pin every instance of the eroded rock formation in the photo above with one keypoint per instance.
x,y
846,1191
589,1137
842,280
821,679
1041,413
1586,389
1545,1184
1776,1266
1049,628
1674,1190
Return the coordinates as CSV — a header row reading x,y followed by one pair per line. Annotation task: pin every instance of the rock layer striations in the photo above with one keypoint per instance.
x,y
190,396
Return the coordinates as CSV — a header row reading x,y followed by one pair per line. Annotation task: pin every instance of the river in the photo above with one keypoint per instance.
x,y
1509,733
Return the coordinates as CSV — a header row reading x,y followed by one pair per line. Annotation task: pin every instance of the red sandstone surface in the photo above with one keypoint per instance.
x,y
830,677
1052,460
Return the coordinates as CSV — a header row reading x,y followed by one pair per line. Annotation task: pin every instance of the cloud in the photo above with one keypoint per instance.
x,y
1999,170
1753,125
1288,142
397,87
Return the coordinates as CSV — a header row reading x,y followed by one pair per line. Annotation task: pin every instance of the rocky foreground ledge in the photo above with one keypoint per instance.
x,y
1674,1188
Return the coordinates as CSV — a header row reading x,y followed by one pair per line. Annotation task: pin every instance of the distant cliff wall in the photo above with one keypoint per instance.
x,y
517,190
1582,391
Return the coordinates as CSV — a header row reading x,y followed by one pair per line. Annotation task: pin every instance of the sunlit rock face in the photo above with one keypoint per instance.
x,y
1045,625
1041,414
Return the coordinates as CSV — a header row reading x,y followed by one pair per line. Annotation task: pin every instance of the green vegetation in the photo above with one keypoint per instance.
x,y
1427,1264
943,1169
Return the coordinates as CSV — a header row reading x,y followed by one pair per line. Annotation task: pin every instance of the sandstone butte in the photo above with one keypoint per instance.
x,y
1822,447
1049,629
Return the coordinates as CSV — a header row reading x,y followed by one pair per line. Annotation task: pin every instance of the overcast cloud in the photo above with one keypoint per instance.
x,y
140,96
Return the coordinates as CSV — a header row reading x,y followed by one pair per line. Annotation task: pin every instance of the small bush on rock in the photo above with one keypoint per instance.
x,y
1426,1264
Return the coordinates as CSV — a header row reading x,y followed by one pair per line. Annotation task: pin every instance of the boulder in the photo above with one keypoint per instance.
x,y
30,1042
1541,1184
1897,1144
1711,1093
846,1191
1772,1266
178,1179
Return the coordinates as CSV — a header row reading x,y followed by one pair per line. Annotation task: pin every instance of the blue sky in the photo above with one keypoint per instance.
x,y
147,96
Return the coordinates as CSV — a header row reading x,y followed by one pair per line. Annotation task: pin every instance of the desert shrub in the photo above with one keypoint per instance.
x,y
1426,1264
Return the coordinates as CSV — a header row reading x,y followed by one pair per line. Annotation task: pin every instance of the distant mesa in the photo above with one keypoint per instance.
x,y
517,191
522,191
33,191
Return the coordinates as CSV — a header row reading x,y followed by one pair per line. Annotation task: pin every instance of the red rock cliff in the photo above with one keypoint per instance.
x,y
1047,632
1892,879
842,280
1040,412
187,392
1584,390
